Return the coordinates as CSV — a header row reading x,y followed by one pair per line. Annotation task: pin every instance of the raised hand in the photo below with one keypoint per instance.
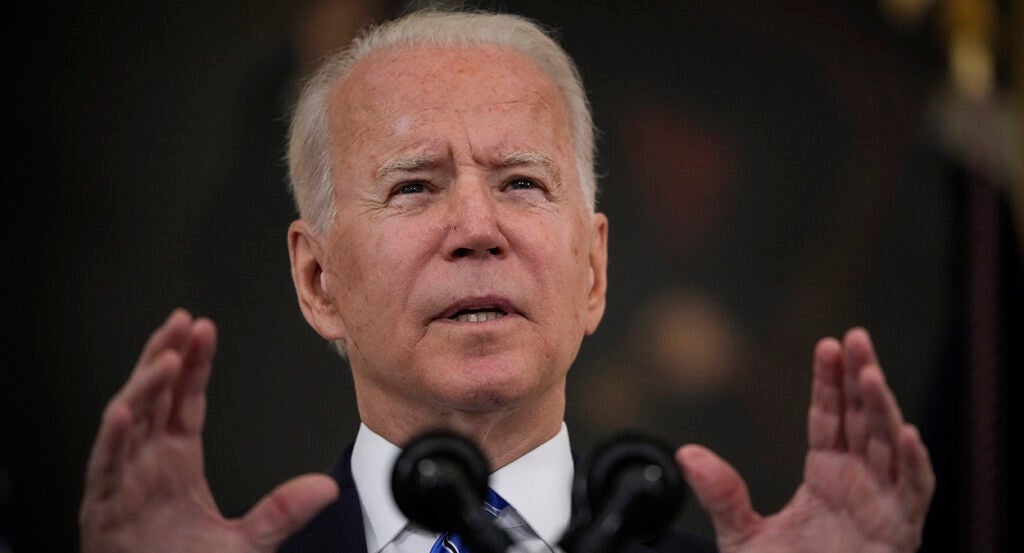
x,y
145,489
868,480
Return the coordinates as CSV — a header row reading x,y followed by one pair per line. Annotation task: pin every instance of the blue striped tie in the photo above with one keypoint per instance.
x,y
450,542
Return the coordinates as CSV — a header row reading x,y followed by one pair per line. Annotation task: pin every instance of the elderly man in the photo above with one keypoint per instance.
x,y
449,245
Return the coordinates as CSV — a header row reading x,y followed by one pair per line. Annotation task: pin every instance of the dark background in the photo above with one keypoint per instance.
x,y
768,169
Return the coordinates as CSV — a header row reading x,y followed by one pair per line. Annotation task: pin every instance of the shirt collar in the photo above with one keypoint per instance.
x,y
538,485
372,460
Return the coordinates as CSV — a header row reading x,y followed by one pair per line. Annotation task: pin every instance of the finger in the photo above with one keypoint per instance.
x,y
824,418
916,476
103,470
160,408
150,401
139,407
721,492
857,353
170,336
189,404
287,509
883,420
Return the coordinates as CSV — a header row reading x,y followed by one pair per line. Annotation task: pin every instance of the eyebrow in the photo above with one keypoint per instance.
x,y
407,164
428,161
531,157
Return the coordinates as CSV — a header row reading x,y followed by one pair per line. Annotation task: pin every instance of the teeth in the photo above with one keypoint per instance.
x,y
479,316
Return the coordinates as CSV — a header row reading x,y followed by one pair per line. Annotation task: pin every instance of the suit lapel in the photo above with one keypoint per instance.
x,y
339,527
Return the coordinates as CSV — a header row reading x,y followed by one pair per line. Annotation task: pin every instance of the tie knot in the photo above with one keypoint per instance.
x,y
449,542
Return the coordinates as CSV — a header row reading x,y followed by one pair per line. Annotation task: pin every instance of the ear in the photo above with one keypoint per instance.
x,y
306,251
598,271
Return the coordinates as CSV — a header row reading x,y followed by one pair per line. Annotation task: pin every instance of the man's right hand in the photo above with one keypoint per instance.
x,y
145,489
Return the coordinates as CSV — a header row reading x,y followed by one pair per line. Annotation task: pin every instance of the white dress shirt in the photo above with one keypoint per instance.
x,y
538,486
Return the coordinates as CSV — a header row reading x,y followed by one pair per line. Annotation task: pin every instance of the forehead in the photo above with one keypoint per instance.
x,y
433,72
402,89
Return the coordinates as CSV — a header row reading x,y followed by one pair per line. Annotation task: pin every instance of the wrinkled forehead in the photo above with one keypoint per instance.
x,y
403,86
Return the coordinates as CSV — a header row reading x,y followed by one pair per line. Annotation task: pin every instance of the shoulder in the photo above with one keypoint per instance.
x,y
339,527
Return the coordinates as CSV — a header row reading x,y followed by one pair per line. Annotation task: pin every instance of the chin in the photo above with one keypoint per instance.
x,y
490,391
483,401
491,381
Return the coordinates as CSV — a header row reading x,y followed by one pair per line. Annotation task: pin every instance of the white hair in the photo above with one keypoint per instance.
x,y
309,140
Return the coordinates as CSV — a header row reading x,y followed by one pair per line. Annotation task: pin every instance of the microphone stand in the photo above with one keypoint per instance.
x,y
633,486
634,490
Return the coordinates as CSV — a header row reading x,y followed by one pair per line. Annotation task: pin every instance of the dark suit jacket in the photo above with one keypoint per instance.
x,y
339,527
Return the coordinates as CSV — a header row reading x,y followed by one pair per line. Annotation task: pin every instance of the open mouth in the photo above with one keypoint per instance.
x,y
480,315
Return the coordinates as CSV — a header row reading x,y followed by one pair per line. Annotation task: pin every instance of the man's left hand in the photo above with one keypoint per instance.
x,y
868,480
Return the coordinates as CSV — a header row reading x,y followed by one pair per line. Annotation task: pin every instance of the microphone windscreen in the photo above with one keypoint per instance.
x,y
436,478
632,490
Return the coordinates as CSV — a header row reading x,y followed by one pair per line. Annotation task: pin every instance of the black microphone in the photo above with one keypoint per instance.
x,y
440,481
633,489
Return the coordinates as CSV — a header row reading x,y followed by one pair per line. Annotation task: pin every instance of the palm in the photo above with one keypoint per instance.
x,y
867,479
823,509
161,485
145,488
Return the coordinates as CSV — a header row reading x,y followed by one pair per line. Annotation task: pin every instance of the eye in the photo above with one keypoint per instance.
x,y
411,188
520,183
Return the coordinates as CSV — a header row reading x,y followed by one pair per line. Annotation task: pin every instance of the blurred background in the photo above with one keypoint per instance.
x,y
774,172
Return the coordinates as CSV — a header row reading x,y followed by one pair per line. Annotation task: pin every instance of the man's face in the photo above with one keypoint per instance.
x,y
464,267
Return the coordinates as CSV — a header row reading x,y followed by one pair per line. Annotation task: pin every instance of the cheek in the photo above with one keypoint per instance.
x,y
349,274
376,266
560,256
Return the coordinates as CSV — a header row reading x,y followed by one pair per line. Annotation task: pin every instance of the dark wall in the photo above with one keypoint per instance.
x,y
765,166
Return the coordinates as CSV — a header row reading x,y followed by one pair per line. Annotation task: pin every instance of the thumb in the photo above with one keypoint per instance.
x,y
721,492
288,508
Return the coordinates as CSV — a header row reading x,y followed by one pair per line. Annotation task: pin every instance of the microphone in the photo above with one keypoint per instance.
x,y
439,481
634,490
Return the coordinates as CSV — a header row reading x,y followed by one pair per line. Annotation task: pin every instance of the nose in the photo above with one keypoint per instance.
x,y
474,227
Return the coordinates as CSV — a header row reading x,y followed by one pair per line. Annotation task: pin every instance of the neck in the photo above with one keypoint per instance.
x,y
503,434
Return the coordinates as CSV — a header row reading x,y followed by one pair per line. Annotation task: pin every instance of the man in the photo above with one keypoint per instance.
x,y
449,245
